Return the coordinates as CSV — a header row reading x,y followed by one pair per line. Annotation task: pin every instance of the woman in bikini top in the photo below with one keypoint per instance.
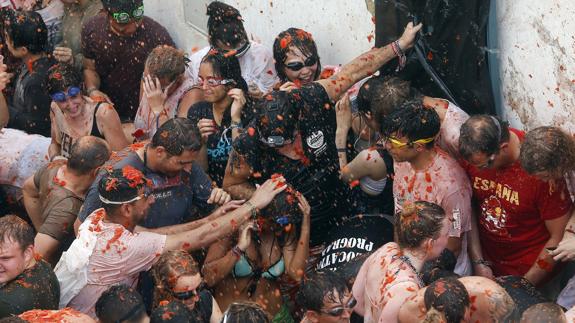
x,y
249,267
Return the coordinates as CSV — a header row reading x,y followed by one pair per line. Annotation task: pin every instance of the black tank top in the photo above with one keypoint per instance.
x,y
95,131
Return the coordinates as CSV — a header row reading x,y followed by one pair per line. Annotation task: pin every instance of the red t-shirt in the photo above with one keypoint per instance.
x,y
513,207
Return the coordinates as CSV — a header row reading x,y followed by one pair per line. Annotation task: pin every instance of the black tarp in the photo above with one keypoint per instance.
x,y
455,42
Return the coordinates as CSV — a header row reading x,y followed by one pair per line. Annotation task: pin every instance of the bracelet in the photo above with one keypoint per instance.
x,y
237,251
341,150
253,209
400,54
481,262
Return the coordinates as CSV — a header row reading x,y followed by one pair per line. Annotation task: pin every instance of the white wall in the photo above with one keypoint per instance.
x,y
537,55
340,27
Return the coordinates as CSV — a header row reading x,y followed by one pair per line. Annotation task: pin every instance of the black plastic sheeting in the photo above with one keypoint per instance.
x,y
454,43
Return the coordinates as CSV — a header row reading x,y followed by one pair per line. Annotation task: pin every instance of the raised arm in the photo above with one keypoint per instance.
x,y
296,253
92,80
366,64
210,232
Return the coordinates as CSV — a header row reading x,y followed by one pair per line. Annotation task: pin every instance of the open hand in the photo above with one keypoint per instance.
x,y
265,193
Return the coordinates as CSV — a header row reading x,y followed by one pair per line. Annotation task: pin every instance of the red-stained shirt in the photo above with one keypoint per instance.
x,y
513,208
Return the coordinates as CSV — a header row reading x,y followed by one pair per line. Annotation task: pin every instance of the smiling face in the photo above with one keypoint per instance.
x,y
73,106
212,93
306,74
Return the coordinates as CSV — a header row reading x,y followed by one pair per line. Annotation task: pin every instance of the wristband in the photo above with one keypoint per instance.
x,y
341,150
236,125
400,54
481,262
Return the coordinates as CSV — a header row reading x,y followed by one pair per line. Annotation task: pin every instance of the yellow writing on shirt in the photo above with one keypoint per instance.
x,y
502,191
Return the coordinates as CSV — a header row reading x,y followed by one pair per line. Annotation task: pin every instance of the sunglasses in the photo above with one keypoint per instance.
x,y
125,17
182,296
214,81
397,144
338,311
73,91
296,66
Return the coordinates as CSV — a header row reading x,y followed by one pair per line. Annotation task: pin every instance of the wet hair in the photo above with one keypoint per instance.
x,y
14,229
177,135
227,67
120,185
548,149
417,222
245,312
414,121
442,267
276,116
173,312
283,209
166,62
225,24
27,29
317,287
482,134
112,6
120,303
449,297
544,312
62,76
170,267
350,269
299,39
382,95
87,154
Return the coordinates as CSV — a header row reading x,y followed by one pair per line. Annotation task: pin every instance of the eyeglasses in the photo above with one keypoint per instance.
x,y
214,81
182,296
397,144
125,17
296,66
338,311
73,91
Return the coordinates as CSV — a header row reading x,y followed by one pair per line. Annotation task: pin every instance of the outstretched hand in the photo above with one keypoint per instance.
x,y
265,193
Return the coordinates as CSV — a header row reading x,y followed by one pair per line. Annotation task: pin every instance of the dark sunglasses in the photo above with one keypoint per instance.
x,y
296,66
338,311
73,91
125,17
182,296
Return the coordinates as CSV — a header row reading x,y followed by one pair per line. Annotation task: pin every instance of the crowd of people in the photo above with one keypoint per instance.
x,y
240,183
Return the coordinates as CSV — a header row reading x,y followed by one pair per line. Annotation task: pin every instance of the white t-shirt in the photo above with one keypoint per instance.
x,y
446,184
257,66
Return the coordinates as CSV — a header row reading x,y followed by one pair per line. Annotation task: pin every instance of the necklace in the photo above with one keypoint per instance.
x,y
405,259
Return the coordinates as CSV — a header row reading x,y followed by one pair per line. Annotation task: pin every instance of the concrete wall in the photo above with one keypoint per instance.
x,y
342,28
537,56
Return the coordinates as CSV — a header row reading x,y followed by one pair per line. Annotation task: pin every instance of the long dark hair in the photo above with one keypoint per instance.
x,y
300,39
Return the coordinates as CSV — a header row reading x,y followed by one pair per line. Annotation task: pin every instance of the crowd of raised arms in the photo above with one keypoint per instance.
x,y
241,183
